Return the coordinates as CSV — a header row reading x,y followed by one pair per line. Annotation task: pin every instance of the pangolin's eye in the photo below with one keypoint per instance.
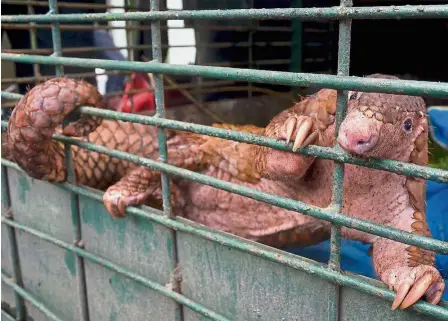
x,y
352,95
407,125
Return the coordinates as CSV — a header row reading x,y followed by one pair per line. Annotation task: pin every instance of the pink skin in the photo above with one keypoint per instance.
x,y
374,195
371,138
369,194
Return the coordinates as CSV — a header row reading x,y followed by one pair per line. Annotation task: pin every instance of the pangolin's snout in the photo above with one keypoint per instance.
x,y
358,134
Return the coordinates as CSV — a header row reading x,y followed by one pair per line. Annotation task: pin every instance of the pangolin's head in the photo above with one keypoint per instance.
x,y
382,125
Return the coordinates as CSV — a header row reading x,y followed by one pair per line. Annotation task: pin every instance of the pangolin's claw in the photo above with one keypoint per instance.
x,y
310,139
290,126
298,128
304,128
417,291
116,201
401,294
414,284
434,293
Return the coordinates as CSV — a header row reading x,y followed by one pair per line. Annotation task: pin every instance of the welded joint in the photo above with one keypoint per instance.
x,y
335,208
175,280
8,214
79,243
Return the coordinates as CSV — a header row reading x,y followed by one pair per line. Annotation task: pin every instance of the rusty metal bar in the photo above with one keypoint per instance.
x,y
304,14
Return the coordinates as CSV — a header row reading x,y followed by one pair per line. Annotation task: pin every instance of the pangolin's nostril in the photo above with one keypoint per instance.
x,y
363,142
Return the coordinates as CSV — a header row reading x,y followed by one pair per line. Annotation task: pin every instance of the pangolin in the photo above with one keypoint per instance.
x,y
376,126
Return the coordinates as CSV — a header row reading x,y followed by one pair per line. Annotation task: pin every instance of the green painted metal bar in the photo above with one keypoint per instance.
x,y
305,14
56,35
409,87
13,96
344,44
327,214
236,28
15,260
434,174
33,38
123,271
6,316
129,35
362,284
341,110
74,210
80,269
156,40
28,296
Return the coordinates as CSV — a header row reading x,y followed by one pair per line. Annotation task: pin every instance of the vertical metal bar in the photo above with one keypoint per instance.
x,y
74,201
16,270
254,25
129,33
80,270
56,36
33,41
163,154
338,176
200,61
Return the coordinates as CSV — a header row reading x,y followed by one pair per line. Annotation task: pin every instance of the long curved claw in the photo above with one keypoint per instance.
x,y
434,293
401,294
417,291
310,139
290,125
303,129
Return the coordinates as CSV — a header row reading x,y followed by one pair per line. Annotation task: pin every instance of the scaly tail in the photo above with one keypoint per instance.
x,y
35,119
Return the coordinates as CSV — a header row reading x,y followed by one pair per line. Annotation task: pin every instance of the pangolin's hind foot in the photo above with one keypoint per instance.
x,y
411,284
141,186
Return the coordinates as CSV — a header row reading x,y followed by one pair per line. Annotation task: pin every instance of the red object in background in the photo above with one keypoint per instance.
x,y
137,102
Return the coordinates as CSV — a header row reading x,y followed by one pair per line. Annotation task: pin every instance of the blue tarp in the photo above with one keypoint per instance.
x,y
354,254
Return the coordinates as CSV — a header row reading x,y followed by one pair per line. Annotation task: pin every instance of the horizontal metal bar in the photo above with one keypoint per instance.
x,y
123,271
363,284
434,174
17,26
44,51
305,14
13,96
22,80
29,297
327,214
6,316
62,4
409,87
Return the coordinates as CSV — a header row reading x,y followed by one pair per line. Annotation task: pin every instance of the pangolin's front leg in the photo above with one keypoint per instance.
x,y
386,126
407,269
304,124
410,270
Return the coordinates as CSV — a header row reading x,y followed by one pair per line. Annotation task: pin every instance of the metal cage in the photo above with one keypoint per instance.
x,y
180,241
